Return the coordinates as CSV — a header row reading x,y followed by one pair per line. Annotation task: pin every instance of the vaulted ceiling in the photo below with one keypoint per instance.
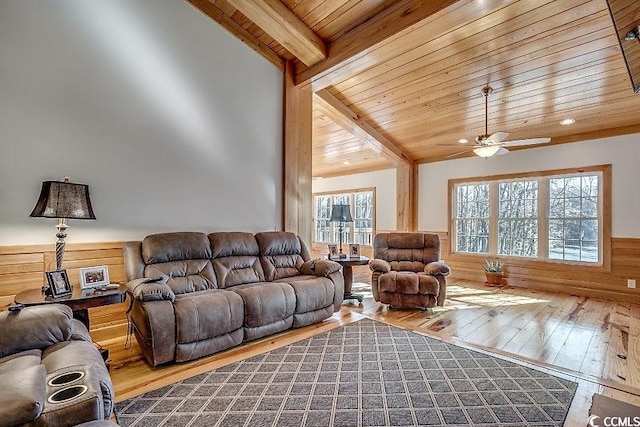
x,y
402,80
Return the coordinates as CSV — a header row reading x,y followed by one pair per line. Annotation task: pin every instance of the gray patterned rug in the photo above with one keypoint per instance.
x,y
363,374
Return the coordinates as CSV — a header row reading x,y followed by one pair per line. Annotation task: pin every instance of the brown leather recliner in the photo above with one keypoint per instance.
x,y
407,271
51,374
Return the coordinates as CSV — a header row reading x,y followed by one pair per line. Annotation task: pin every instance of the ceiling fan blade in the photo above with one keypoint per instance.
x,y
496,138
530,141
501,151
459,153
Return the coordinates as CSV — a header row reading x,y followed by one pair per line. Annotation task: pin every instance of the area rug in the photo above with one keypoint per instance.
x,y
363,374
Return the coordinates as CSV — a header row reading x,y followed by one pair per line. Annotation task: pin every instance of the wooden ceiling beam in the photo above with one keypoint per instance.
x,y
213,12
275,19
353,52
333,108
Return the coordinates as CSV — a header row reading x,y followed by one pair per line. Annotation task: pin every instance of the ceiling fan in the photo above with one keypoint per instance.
x,y
489,145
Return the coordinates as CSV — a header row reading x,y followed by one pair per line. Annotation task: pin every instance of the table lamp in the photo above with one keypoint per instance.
x,y
63,200
341,214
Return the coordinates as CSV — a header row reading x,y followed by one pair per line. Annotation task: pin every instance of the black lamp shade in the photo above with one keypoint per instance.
x,y
64,200
341,213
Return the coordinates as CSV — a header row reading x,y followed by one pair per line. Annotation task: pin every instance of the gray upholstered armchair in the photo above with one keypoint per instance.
x,y
407,271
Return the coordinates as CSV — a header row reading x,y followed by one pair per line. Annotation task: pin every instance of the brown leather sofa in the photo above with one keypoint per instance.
x,y
51,374
196,294
406,270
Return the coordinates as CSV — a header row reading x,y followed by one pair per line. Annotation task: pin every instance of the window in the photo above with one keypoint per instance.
x,y
362,203
322,216
552,216
518,218
573,218
472,218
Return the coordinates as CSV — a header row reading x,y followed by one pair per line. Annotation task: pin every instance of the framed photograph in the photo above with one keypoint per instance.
x,y
59,285
92,277
333,251
354,250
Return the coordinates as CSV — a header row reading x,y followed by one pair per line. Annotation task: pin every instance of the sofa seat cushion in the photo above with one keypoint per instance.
x,y
207,314
312,292
19,361
266,302
22,395
408,283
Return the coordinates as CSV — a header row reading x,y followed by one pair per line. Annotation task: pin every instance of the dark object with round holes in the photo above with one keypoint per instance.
x,y
67,393
66,378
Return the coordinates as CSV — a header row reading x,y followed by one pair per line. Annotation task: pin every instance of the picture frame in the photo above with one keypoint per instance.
x,y
333,251
354,250
91,277
59,285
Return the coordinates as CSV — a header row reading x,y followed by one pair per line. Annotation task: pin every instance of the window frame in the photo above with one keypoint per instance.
x,y
543,217
351,227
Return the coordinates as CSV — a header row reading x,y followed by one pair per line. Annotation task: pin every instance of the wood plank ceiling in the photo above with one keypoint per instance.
x,y
409,73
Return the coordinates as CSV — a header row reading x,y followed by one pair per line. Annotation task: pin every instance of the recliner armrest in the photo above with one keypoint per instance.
x,y
437,268
25,400
380,266
148,289
320,267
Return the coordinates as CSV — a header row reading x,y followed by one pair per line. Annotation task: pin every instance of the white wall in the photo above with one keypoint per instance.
x,y
172,121
622,152
384,182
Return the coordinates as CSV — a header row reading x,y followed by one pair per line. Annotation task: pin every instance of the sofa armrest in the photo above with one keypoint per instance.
x,y
437,268
320,267
380,266
148,289
24,403
34,327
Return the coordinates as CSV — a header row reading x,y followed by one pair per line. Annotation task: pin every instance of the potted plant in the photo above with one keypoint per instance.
x,y
494,271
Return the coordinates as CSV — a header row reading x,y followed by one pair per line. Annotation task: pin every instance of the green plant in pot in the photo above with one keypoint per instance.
x,y
494,269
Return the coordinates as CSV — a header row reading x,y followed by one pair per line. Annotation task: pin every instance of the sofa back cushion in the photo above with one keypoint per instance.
x,y
183,258
35,327
407,251
235,258
281,254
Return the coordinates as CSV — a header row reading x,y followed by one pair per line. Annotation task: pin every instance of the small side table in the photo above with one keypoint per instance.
x,y
79,301
347,271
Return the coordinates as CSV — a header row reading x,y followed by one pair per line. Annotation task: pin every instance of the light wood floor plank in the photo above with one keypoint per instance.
x,y
575,337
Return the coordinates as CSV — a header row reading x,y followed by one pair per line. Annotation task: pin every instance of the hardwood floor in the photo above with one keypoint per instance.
x,y
594,342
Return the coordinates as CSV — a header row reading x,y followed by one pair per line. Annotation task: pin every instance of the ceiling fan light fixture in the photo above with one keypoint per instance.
x,y
486,151
568,122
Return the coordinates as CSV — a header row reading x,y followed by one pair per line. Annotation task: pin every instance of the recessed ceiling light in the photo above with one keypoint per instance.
x,y
346,162
463,140
567,122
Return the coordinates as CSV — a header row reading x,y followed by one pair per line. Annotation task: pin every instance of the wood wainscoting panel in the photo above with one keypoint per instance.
x,y
24,267
560,277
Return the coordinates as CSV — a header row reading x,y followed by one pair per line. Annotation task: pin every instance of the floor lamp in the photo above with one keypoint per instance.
x,y
341,214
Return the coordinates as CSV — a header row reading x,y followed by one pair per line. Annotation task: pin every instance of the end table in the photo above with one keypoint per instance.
x,y
347,272
79,301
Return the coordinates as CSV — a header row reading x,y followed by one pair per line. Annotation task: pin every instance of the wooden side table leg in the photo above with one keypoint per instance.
x,y
347,272
83,316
